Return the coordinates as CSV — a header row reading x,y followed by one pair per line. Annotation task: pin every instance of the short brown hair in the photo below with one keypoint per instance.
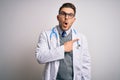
x,y
68,5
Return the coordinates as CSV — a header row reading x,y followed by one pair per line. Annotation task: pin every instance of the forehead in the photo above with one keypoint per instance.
x,y
67,10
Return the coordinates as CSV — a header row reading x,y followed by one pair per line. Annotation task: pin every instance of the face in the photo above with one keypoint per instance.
x,y
66,18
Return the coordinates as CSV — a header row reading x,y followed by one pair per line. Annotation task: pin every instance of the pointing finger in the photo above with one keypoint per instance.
x,y
75,40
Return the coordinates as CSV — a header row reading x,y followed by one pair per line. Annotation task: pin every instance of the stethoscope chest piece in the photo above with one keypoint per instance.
x,y
78,46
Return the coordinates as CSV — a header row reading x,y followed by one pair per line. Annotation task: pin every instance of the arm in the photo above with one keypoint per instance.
x,y
86,61
46,54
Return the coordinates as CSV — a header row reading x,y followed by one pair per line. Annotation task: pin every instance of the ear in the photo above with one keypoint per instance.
x,y
74,19
58,17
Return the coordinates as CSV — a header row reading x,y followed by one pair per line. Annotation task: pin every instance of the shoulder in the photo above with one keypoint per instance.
x,y
82,35
47,33
83,39
78,33
53,29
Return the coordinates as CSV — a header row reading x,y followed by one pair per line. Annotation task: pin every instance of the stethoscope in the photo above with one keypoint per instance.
x,y
54,33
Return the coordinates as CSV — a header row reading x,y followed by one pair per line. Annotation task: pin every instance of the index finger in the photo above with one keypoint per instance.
x,y
74,40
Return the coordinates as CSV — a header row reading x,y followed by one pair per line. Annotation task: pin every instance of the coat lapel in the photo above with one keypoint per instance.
x,y
76,52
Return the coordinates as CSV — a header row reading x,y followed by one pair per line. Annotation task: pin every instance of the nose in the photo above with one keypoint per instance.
x,y
66,16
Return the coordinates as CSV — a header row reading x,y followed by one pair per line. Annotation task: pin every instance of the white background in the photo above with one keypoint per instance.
x,y
21,22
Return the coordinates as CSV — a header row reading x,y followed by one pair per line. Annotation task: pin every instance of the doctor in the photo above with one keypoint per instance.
x,y
63,49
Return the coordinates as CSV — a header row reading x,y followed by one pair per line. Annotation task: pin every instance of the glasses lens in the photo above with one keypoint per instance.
x,y
64,14
71,15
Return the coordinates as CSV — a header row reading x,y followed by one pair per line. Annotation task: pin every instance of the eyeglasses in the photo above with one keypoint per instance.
x,y
64,14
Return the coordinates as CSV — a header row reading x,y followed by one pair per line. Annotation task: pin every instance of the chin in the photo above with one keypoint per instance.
x,y
65,29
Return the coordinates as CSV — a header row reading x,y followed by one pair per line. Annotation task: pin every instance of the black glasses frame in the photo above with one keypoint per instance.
x,y
64,14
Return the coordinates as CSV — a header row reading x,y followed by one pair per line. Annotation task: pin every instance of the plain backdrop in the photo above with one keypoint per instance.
x,y
21,22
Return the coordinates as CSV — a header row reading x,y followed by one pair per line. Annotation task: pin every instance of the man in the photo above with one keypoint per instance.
x,y
63,49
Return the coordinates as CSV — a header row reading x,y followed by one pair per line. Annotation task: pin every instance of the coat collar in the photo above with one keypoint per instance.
x,y
75,34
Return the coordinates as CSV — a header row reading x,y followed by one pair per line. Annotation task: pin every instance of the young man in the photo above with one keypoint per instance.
x,y
63,49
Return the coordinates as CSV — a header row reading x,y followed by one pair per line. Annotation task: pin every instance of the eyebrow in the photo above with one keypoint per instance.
x,y
66,12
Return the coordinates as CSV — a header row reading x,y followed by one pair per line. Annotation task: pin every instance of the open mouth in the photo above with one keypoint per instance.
x,y
65,23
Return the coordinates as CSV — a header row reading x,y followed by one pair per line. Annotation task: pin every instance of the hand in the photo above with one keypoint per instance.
x,y
68,46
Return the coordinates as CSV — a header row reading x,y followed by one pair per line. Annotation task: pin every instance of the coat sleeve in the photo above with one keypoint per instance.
x,y
46,54
86,61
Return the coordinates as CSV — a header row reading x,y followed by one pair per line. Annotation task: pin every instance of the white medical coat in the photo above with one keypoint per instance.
x,y
50,52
